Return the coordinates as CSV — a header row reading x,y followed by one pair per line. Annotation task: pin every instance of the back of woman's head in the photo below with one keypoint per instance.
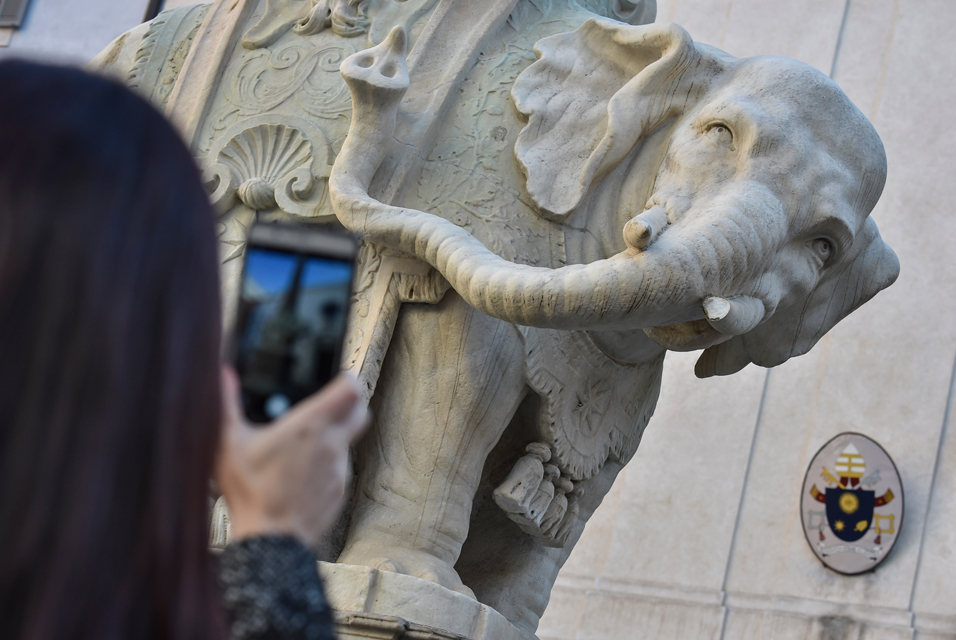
x,y
109,383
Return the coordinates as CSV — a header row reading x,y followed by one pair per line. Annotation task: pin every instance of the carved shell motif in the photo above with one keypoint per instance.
x,y
262,155
269,165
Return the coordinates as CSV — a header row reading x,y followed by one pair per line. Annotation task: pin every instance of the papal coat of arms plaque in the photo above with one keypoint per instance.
x,y
852,504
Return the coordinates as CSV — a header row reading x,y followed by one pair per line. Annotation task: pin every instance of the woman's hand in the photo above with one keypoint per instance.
x,y
289,477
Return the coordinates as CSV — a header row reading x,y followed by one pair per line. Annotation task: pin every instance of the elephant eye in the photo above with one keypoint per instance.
x,y
721,134
823,247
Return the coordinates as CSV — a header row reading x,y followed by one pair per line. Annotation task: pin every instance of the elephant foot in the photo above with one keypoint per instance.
x,y
411,562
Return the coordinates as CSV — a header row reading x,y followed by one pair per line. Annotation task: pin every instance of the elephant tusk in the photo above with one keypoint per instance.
x,y
642,229
734,316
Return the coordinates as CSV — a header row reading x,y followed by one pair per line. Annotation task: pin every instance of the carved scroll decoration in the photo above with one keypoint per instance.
x,y
266,81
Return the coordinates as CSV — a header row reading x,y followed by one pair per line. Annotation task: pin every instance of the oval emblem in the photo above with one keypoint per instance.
x,y
852,504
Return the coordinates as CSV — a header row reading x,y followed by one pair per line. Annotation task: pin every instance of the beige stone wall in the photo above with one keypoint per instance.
x,y
701,536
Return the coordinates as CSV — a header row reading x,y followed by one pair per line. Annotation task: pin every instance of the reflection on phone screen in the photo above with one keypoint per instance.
x,y
292,316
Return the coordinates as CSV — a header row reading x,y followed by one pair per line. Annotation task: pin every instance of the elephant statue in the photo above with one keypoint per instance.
x,y
551,195
726,202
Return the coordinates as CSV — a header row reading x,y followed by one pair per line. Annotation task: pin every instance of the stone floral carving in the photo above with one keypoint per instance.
x,y
264,81
548,203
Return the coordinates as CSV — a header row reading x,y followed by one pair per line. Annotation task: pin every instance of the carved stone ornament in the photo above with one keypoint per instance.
x,y
551,194
587,418
269,165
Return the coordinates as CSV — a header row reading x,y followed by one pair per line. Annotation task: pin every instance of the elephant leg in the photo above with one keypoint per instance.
x,y
450,383
508,569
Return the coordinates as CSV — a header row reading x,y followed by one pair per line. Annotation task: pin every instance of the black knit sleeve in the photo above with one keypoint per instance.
x,y
271,591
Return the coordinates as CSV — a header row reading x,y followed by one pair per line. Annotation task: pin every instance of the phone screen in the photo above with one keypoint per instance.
x,y
292,315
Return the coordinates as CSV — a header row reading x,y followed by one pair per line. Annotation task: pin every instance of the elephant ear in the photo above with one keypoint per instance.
x,y
591,96
793,330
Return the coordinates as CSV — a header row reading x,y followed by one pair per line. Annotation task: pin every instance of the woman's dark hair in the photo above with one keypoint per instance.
x,y
109,366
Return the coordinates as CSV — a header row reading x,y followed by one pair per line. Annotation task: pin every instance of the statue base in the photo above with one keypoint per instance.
x,y
380,604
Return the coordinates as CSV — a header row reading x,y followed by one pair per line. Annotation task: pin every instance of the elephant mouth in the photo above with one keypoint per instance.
x,y
723,319
686,336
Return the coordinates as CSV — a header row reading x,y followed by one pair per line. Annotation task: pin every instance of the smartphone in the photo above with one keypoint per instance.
x,y
293,311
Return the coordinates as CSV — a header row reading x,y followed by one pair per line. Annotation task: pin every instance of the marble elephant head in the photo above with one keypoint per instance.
x,y
767,175
753,180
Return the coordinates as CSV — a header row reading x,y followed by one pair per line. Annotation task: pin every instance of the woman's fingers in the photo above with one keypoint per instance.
x,y
232,424
355,423
332,404
289,476
231,403
337,406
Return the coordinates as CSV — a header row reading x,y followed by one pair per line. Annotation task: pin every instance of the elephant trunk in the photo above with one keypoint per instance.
x,y
616,293
630,290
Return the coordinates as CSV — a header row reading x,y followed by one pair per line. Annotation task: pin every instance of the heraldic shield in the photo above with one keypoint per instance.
x,y
850,512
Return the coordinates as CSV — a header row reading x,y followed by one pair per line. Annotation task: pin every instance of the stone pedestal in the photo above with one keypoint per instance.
x,y
380,604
